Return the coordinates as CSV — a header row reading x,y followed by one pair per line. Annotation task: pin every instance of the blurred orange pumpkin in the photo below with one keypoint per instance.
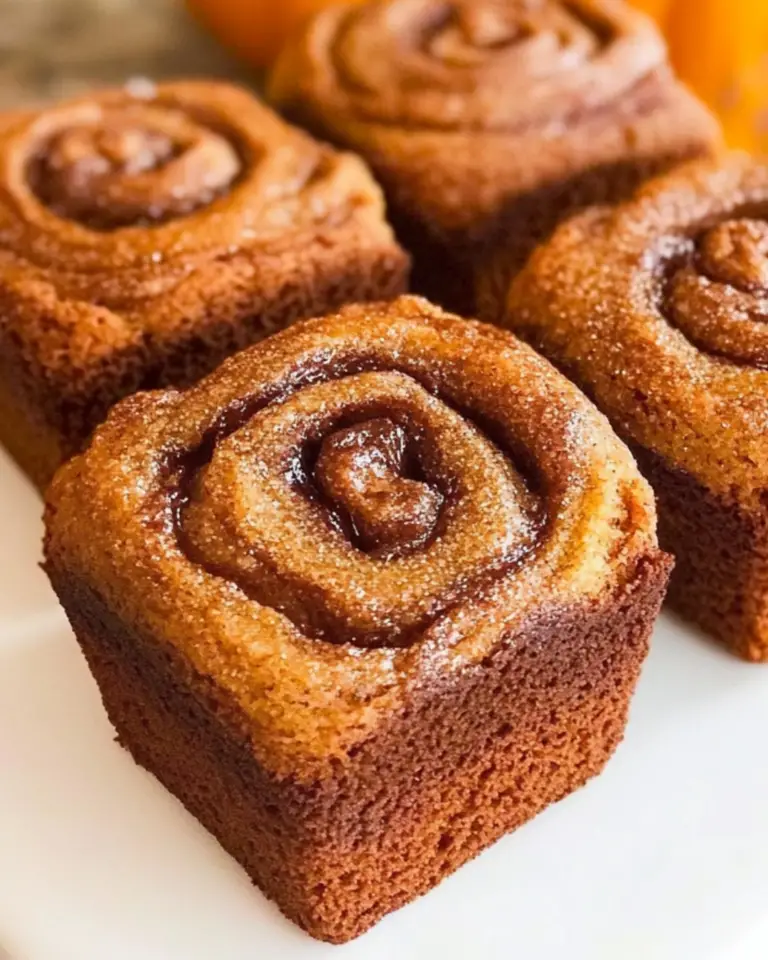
x,y
254,29
720,47
656,8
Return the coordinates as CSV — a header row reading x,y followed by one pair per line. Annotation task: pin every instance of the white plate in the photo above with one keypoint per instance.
x,y
664,857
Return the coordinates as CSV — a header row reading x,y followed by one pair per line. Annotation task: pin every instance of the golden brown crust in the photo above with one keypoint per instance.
x,y
225,516
658,310
467,110
372,594
147,232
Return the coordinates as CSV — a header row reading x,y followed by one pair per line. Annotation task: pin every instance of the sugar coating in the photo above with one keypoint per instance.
x,y
489,122
658,310
146,234
205,528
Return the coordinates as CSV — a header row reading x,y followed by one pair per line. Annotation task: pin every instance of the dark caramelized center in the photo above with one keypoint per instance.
x,y
369,474
136,166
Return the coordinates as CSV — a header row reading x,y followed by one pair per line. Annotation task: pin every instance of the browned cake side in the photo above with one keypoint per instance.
x,y
383,589
149,232
489,122
720,580
429,792
658,312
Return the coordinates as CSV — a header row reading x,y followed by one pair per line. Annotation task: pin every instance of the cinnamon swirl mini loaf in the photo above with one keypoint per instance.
x,y
383,588
660,311
487,121
147,233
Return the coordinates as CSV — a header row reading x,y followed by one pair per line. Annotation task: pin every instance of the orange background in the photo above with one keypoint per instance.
x,y
720,47
254,29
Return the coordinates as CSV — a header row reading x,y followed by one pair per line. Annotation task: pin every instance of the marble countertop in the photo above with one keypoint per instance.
x,y
57,48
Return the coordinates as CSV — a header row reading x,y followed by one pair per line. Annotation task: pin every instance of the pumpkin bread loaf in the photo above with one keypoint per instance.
x,y
146,233
659,310
369,596
488,121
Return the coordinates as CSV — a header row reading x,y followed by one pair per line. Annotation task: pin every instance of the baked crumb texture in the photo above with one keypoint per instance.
x,y
148,232
488,121
366,598
658,310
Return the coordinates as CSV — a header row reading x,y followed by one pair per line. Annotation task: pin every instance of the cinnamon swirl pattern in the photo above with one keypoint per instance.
x,y
148,232
660,311
488,121
384,587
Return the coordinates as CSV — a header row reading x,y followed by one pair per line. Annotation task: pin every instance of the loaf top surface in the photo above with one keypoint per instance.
x,y
460,106
132,211
658,308
347,515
